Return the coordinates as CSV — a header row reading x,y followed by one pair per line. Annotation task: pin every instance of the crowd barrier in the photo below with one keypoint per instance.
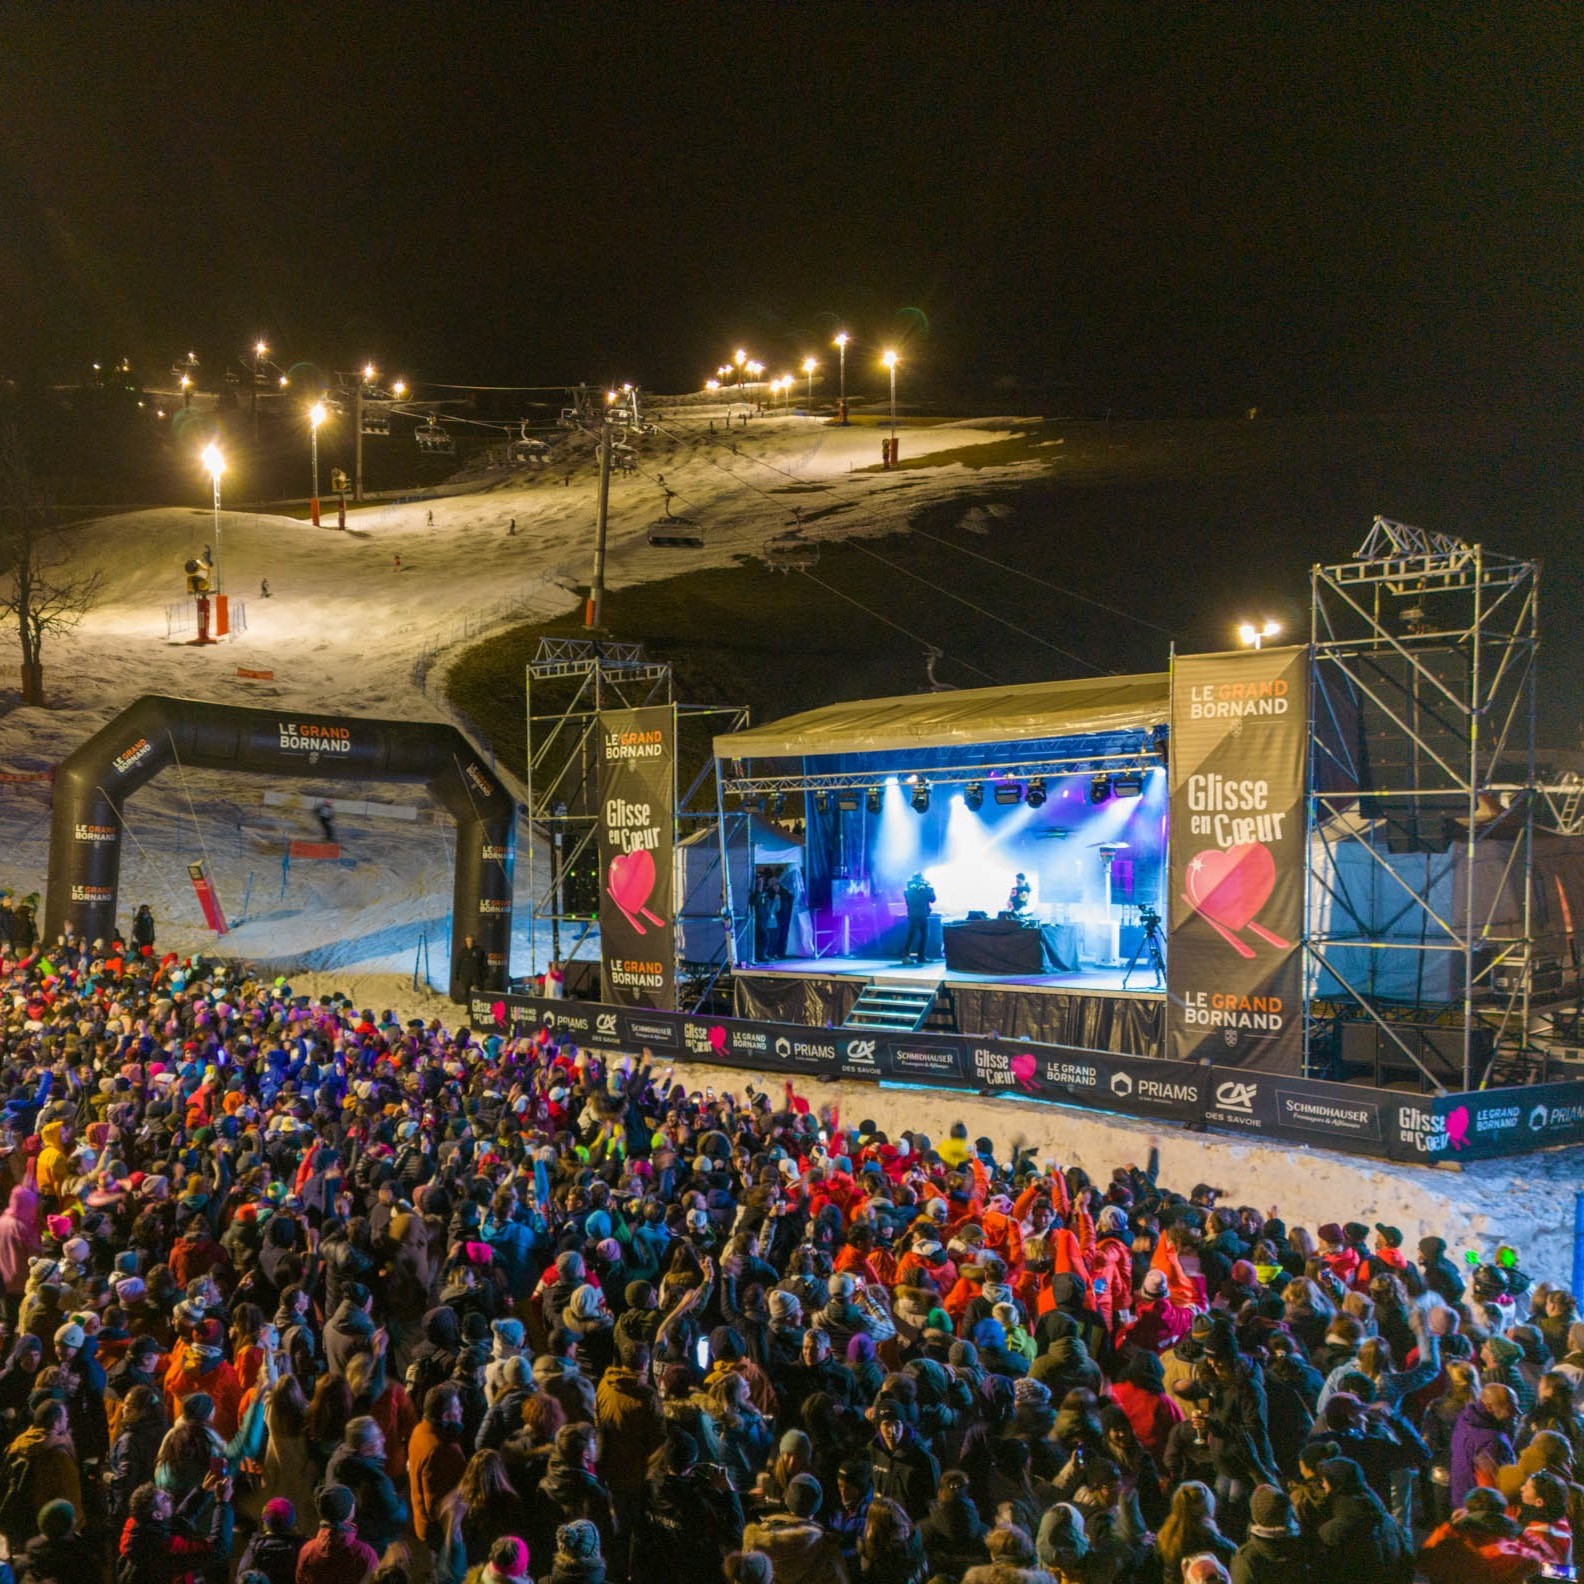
x,y
1388,1124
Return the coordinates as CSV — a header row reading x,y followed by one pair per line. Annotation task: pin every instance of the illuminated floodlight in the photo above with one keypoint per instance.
x,y
1253,637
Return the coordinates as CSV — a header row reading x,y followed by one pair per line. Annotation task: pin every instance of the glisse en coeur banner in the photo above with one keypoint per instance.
x,y
1239,737
636,839
1383,1123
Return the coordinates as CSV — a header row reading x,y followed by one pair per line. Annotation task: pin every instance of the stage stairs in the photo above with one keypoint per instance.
x,y
895,1006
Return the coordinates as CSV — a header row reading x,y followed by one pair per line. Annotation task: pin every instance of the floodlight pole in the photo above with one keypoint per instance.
x,y
357,430
594,612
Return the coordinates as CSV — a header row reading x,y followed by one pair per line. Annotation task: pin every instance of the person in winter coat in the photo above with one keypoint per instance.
x,y
358,1465
691,1517
136,1448
159,1546
891,1550
1359,1542
20,1241
1140,1392
1274,1552
954,1533
60,1553
1065,1366
335,1555
570,1489
435,1460
274,1547
507,1563
52,1471
800,1549
1483,1432
1011,1560
905,1470
350,1330
1440,1274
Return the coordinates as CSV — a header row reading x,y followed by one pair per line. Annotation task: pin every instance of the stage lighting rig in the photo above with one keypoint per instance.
x,y
872,800
973,795
1036,792
822,802
1099,788
848,802
1009,792
1128,784
778,805
921,796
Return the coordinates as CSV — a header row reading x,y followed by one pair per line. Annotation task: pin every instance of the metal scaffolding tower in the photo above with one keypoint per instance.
x,y
569,683
1422,800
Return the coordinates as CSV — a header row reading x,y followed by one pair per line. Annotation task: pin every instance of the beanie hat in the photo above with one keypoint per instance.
x,y
753,1567
55,1519
198,1407
641,1295
785,1307
578,1541
509,1556
1330,1233
586,1302
279,1513
508,1333
335,1504
1270,1508
803,1495
1029,1390
840,1285
1154,1284
69,1335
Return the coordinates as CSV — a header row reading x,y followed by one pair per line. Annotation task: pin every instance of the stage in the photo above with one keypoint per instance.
x,y
1087,1007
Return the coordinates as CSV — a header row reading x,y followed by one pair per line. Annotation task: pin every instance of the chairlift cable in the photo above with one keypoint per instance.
x,y
1046,583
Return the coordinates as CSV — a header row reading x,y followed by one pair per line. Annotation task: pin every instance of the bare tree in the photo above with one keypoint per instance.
x,y
40,588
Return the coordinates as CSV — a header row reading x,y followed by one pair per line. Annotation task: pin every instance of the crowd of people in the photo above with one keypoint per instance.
x,y
301,1293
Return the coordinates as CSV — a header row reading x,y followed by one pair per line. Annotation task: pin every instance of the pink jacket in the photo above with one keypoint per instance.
x,y
19,1237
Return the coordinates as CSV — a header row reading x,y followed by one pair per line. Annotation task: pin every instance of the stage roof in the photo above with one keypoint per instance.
x,y
1029,712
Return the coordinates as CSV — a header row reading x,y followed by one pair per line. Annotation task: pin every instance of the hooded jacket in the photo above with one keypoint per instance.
x,y
348,1331
19,1238
800,1550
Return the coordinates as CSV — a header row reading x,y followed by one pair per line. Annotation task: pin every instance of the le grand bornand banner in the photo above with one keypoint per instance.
x,y
637,787
1239,735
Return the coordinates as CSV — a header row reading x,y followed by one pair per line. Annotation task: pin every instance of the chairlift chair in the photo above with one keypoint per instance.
x,y
434,437
376,421
790,552
670,532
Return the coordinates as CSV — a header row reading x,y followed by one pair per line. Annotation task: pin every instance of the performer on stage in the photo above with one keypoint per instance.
x,y
920,898
1018,898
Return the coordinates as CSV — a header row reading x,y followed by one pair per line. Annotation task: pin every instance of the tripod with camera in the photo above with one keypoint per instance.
x,y
1151,943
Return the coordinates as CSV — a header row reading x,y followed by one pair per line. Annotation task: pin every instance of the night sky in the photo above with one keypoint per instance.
x,y
1175,209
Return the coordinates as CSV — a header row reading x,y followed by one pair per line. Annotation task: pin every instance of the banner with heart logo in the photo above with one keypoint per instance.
x,y
1239,754
637,840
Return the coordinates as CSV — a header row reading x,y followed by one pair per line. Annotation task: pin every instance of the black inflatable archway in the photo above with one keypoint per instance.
x,y
93,784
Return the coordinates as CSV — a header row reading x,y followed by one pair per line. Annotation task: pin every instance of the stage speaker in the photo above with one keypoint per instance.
x,y
1366,1050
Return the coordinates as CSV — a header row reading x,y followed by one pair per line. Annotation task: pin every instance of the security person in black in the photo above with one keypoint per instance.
x,y
920,898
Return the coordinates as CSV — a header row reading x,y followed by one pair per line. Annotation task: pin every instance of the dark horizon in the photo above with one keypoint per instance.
x,y
1153,208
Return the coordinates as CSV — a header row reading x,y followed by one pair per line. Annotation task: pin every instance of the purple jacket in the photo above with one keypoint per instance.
x,y
19,1237
1476,1431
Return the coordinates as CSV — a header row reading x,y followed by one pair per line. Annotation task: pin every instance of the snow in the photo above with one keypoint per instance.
x,y
345,633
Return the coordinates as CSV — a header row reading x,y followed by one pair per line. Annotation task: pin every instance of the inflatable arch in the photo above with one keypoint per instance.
x,y
94,782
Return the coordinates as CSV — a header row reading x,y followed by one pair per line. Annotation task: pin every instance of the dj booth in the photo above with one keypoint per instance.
x,y
1010,946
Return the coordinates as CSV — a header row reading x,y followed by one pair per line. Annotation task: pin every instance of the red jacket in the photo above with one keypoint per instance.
x,y
1151,1414
336,1556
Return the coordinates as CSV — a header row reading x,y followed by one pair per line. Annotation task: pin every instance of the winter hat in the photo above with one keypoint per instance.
x,y
77,1251
1505,1353
569,1266
803,1496
1270,1509
1029,1390
753,1567
509,1557
517,1373
335,1504
1154,1284
577,1541
508,1335
55,1519
1331,1232
198,1407
279,1514
641,1295
129,1289
840,1286
785,1307
69,1335
585,1303
1112,1219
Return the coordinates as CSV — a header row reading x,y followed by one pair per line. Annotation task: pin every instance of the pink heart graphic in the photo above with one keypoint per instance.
x,y
1457,1126
1023,1068
632,879
717,1039
1230,885
498,1011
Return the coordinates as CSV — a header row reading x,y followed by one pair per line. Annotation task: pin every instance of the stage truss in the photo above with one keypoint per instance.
x,y
1422,726
569,682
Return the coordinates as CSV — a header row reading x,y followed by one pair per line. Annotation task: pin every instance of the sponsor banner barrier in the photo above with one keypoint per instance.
x,y
1382,1123
1235,908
